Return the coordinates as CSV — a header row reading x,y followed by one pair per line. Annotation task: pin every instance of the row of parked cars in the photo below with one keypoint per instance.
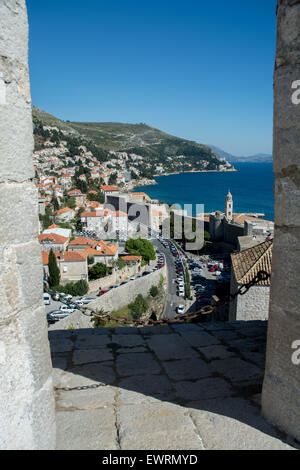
x,y
68,306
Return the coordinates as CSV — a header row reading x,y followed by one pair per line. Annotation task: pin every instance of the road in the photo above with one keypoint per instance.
x,y
172,298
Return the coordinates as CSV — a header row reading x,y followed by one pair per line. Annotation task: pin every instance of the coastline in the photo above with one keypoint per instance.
x,y
150,182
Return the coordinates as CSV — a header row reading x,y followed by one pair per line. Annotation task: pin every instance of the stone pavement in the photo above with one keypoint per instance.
x,y
179,387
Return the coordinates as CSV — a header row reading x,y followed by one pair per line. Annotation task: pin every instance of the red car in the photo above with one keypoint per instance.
x,y
212,270
102,292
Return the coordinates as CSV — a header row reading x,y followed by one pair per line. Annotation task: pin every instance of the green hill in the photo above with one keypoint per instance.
x,y
154,145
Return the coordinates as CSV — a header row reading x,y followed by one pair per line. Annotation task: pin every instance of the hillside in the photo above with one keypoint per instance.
x,y
155,146
258,158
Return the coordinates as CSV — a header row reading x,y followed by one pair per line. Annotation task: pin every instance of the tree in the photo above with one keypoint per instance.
x,y
97,271
141,247
55,204
54,274
138,307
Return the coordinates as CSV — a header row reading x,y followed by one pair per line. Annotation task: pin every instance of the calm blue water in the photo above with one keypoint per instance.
x,y
250,186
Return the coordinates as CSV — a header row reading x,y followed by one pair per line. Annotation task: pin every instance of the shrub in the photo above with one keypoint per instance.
x,y
97,271
138,307
154,291
74,288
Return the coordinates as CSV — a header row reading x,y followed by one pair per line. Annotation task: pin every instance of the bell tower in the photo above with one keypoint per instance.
x,y
229,207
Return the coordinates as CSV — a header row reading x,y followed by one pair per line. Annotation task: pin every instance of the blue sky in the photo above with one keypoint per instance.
x,y
202,70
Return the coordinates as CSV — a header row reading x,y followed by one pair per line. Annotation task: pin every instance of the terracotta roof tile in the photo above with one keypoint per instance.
x,y
247,263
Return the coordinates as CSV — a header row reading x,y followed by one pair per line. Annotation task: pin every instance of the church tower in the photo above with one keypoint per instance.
x,y
229,207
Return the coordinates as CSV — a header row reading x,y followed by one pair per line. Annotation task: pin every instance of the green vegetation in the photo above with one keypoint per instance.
x,y
54,274
98,270
138,307
141,247
154,291
154,145
74,288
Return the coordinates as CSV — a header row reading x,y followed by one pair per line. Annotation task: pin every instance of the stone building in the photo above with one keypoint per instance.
x,y
254,304
229,227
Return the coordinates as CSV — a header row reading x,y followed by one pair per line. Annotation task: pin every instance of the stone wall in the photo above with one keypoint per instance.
x,y
281,390
113,300
254,305
116,277
27,418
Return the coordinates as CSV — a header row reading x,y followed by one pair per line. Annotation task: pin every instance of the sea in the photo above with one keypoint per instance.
x,y
251,187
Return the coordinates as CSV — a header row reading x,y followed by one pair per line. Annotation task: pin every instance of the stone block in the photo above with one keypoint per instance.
x,y
137,364
159,426
236,370
21,201
170,347
87,374
145,388
92,342
187,369
87,356
128,340
89,399
86,430
212,387
216,352
234,424
200,339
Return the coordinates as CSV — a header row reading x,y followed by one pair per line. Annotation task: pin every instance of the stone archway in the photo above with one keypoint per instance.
x,y
27,416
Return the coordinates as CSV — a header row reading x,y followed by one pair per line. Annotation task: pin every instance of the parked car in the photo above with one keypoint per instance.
x,y
102,292
66,309
46,298
55,296
180,309
86,300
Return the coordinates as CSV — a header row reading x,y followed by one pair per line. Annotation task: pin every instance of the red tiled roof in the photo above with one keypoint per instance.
x,y
52,238
62,211
74,256
248,263
131,258
106,187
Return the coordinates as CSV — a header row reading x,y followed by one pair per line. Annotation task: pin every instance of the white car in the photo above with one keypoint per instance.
x,y
181,293
180,309
65,309
86,300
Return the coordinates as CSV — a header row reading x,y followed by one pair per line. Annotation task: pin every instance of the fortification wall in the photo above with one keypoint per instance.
x,y
27,417
281,390
113,300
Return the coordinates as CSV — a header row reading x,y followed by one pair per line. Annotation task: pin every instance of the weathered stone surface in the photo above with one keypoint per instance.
x,y
166,404
86,375
171,347
237,370
234,424
86,356
187,369
86,430
175,431
212,387
128,340
200,339
92,342
137,364
145,388
94,398
216,352
21,199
